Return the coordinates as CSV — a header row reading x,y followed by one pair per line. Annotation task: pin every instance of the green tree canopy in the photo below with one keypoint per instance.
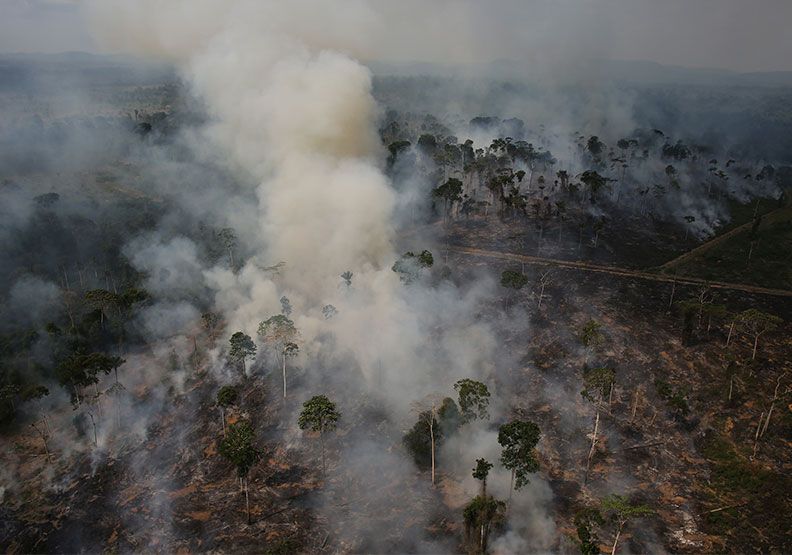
x,y
238,447
519,439
474,398
513,280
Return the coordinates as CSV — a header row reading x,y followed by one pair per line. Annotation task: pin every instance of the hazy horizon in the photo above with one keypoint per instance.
x,y
703,34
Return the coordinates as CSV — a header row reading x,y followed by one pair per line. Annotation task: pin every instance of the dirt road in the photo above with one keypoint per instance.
x,y
614,271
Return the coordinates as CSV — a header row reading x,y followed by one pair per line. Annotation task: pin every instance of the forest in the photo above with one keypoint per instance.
x,y
260,297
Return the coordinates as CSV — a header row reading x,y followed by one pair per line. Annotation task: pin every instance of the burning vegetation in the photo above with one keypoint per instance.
x,y
263,298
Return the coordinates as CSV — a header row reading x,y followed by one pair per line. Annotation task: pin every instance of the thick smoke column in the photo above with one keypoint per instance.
x,y
298,118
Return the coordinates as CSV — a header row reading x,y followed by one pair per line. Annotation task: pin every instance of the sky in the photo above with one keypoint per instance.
x,y
742,35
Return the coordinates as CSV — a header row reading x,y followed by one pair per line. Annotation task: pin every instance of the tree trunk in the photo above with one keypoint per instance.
x,y
635,403
247,501
431,436
96,440
98,403
756,344
756,436
321,443
731,386
616,541
283,357
593,445
731,330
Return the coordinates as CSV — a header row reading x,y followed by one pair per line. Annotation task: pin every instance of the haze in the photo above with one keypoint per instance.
x,y
729,34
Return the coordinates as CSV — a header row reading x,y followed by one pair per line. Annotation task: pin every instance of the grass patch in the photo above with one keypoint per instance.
x,y
771,259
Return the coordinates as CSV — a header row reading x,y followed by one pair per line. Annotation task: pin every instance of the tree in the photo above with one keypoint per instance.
x,y
480,472
482,514
473,399
329,311
242,347
598,382
544,279
450,192
238,448
410,265
228,238
430,430
621,511
519,439
286,308
210,321
226,397
347,277
586,520
514,280
756,323
594,181
595,146
81,370
279,333
591,336
101,300
319,414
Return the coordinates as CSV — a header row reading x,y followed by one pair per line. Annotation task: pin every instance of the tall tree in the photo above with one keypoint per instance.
x,y
621,511
598,384
242,348
280,335
226,397
480,472
591,337
238,448
474,398
482,514
228,238
436,421
519,439
319,415
286,308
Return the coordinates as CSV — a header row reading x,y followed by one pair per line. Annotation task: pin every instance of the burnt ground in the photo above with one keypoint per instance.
x,y
687,451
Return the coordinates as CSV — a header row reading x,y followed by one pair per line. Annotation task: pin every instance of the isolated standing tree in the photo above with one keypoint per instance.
x,y
474,398
238,448
286,308
226,397
598,383
347,277
481,515
756,323
319,415
591,336
621,511
519,439
434,424
279,333
513,280
480,472
228,237
242,347
328,311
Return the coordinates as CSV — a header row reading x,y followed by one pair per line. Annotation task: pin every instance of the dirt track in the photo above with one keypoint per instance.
x,y
638,274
